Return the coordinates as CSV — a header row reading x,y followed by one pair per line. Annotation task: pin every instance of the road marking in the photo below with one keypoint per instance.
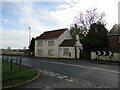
x,y
60,77
65,76
69,80
83,66
56,74
52,74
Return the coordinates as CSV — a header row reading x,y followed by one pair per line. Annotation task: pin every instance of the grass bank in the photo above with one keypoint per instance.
x,y
17,76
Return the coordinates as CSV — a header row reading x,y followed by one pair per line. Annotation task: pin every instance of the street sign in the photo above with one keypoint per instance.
x,y
98,53
110,53
105,53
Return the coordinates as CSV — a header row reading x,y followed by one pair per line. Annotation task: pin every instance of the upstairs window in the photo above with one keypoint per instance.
x,y
40,43
50,51
50,42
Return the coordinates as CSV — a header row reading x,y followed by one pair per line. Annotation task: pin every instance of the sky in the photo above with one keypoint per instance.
x,y
45,15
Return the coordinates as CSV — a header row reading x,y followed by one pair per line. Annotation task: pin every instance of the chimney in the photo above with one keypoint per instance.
x,y
78,44
77,37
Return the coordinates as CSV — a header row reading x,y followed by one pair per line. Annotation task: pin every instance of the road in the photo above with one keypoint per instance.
x,y
68,71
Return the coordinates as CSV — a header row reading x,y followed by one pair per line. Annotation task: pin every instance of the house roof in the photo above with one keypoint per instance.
x,y
115,30
51,34
68,42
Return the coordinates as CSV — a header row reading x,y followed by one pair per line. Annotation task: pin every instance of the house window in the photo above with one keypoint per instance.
x,y
50,42
66,51
40,43
50,51
40,51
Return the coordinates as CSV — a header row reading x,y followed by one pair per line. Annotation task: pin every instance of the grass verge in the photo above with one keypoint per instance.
x,y
17,76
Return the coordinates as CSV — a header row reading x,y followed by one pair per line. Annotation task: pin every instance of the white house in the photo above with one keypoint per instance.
x,y
57,44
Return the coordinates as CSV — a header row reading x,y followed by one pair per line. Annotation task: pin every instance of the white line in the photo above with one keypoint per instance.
x,y
65,76
69,80
52,74
83,67
60,77
46,72
57,74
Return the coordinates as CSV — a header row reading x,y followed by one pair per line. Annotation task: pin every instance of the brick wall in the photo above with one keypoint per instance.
x,y
114,44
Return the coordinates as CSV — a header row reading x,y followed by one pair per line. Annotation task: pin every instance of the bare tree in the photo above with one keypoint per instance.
x,y
86,20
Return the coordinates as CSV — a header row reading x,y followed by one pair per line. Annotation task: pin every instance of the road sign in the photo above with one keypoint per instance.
x,y
105,53
98,53
110,53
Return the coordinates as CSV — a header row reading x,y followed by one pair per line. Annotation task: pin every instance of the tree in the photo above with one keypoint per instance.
x,y
96,39
91,29
84,21
91,16
32,46
9,48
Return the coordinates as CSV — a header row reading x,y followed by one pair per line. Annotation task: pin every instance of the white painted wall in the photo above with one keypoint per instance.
x,y
45,48
57,42
115,57
71,50
65,35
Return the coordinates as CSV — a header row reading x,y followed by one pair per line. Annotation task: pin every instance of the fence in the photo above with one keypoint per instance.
x,y
10,60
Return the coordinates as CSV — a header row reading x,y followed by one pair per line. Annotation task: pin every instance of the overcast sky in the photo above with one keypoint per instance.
x,y
44,16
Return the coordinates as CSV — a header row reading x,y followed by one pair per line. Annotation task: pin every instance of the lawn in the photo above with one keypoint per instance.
x,y
18,75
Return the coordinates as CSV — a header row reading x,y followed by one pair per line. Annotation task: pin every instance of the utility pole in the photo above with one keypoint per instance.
x,y
29,38
75,42
29,34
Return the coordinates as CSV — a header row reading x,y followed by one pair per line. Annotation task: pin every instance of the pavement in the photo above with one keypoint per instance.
x,y
64,73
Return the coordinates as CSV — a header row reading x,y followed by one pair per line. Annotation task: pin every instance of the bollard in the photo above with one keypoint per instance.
x,y
2,58
7,58
20,62
16,60
11,66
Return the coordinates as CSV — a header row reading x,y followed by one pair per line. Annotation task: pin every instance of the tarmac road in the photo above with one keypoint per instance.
x,y
84,74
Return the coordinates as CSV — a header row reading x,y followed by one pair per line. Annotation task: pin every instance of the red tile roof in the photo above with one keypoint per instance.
x,y
51,34
68,42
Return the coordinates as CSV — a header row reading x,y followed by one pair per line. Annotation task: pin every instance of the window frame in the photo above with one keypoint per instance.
x,y
50,42
40,43
50,52
66,52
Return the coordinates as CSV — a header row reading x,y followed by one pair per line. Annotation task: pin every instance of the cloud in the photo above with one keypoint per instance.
x,y
110,7
27,16
66,16
15,38
32,0
42,19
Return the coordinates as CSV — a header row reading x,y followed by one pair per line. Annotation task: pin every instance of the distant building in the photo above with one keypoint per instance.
x,y
114,38
57,44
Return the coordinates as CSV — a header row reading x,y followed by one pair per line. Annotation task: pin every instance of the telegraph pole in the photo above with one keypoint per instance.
x,y
29,34
75,41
